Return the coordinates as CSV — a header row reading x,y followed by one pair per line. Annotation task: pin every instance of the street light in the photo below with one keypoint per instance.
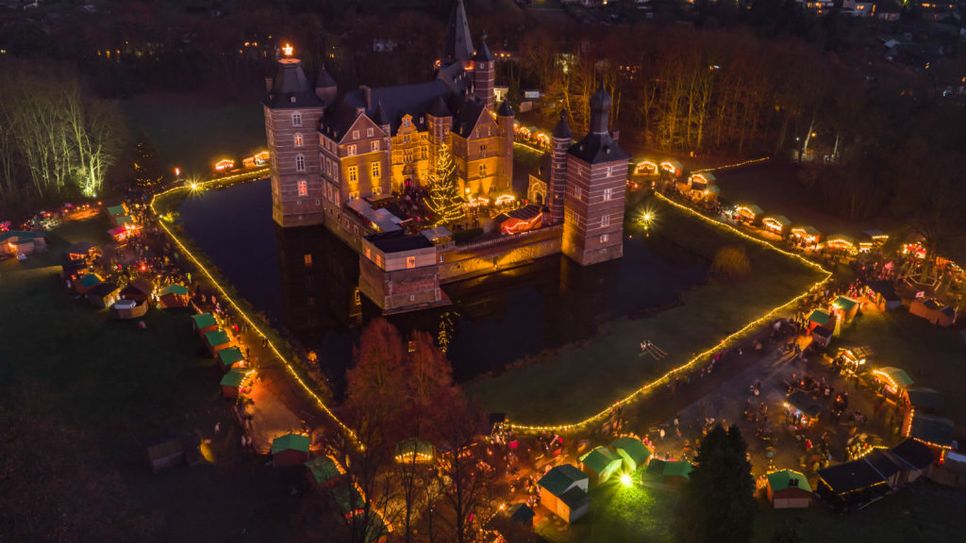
x,y
626,480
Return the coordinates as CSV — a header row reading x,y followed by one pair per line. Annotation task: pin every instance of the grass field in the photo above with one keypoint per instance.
x,y
582,379
922,512
122,386
934,357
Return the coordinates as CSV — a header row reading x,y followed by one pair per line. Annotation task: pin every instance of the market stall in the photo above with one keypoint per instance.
x,y
841,243
174,296
600,463
776,224
290,450
805,235
233,382
414,450
893,382
748,213
788,489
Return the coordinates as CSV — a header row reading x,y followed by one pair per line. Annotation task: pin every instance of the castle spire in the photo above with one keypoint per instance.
x,y
600,111
459,44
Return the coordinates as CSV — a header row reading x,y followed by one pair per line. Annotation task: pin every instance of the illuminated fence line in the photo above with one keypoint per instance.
x,y
735,165
224,294
701,357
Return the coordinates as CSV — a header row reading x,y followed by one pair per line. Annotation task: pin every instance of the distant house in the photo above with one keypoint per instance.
x,y
915,459
563,490
600,464
290,450
632,451
788,489
934,311
667,473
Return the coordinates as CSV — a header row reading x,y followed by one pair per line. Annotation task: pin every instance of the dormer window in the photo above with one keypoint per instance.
x,y
291,99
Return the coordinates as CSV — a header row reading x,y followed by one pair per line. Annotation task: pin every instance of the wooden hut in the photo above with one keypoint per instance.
x,y
672,167
776,224
632,451
669,474
788,489
934,311
174,296
323,472
86,282
748,213
128,309
103,295
563,491
894,382
934,432
217,340
202,323
819,317
851,485
82,250
805,234
841,243
914,457
227,358
845,309
232,383
290,450
646,167
883,295
599,464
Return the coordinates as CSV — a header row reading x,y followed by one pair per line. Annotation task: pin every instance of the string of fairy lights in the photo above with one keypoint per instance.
x,y
247,176
734,165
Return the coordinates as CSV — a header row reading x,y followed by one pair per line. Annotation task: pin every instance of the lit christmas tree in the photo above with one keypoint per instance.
x,y
444,194
146,166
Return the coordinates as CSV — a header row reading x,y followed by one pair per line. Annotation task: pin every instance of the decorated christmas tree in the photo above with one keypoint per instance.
x,y
146,166
444,194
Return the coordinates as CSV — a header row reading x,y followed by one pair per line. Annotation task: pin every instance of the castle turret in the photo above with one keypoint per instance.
x,y
596,174
484,75
459,45
325,86
504,120
560,140
382,119
292,115
439,121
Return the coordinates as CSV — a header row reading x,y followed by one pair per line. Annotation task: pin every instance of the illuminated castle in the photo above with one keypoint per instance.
x,y
331,148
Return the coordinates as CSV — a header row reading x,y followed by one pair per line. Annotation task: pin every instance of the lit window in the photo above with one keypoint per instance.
x,y
368,132
307,260
410,262
482,170
353,174
608,194
355,134
298,140
374,146
604,238
605,221
376,189
375,170
299,163
303,188
297,118
482,150
354,195
577,193
350,150
335,172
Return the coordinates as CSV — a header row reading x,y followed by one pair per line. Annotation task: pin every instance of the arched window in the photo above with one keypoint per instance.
x,y
298,140
297,118
299,163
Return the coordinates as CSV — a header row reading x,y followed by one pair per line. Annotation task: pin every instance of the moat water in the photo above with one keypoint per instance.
x,y
494,321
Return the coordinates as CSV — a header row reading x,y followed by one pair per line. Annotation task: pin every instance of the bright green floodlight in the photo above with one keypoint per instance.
x,y
626,480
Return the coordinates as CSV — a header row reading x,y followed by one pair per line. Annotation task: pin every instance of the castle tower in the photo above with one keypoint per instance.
x,y
484,75
292,115
458,46
439,121
325,86
504,120
595,188
560,141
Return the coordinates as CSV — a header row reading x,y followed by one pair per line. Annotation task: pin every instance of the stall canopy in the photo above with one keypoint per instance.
x,y
806,231
632,451
89,280
179,290
602,462
841,240
228,357
845,303
932,430
895,376
116,211
851,477
234,379
778,222
290,442
820,317
131,293
216,338
787,478
323,470
204,320
913,454
670,468
412,449
746,208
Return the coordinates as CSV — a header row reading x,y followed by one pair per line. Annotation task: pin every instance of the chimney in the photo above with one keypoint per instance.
x,y
268,84
367,93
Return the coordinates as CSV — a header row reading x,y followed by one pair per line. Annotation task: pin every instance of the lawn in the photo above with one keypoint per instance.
x,y
934,357
581,379
921,512
120,386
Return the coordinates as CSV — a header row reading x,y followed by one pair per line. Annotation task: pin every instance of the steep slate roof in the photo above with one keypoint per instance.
x,y
290,88
483,53
416,100
458,44
467,116
560,478
295,442
324,79
439,109
782,479
562,130
597,148
506,110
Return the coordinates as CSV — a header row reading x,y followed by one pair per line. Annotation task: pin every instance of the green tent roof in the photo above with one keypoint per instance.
x,y
601,460
229,356
844,303
898,375
89,280
782,479
204,320
820,316
180,290
632,450
121,220
216,338
290,442
667,468
116,210
323,469
560,478
234,378
347,498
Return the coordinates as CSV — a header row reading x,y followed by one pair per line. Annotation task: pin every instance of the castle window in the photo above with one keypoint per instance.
x,y
299,163
355,134
375,170
298,140
604,238
369,132
297,118
482,170
335,172
303,186
577,193
605,221
353,174
350,150
409,155
608,194
374,146
410,262
483,150
354,195
307,260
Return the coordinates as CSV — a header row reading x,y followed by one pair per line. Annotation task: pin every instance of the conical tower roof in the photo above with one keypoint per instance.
x,y
380,115
562,130
290,88
459,44
439,109
483,54
505,109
